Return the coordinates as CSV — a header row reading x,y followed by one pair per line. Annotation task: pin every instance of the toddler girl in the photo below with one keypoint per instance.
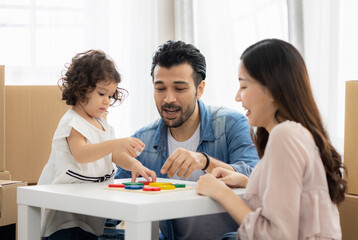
x,y
84,148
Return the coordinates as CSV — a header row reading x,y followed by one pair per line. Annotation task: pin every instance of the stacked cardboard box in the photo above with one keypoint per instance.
x,y
28,119
351,136
32,114
348,212
2,118
8,206
349,208
29,116
4,175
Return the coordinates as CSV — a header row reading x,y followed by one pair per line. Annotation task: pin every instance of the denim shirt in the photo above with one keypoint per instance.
x,y
224,135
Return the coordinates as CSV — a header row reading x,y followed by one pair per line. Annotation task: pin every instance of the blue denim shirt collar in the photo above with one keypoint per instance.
x,y
160,137
206,129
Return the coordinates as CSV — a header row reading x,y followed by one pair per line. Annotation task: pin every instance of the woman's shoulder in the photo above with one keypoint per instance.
x,y
288,128
292,132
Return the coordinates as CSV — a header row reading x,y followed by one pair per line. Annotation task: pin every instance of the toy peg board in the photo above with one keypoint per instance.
x,y
150,192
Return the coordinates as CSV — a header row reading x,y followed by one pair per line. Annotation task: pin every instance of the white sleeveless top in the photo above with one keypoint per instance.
x,y
62,168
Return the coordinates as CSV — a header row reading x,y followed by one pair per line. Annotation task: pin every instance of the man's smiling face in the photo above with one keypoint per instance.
x,y
175,93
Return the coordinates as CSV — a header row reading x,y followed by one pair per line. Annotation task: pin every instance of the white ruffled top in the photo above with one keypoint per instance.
x,y
63,168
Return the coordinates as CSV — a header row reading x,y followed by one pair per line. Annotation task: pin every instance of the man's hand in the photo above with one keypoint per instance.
x,y
183,161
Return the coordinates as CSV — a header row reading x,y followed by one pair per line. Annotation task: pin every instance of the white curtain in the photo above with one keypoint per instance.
x,y
321,50
295,24
224,30
329,33
136,40
331,36
184,20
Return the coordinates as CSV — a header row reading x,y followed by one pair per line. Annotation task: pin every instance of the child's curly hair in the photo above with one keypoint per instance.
x,y
85,71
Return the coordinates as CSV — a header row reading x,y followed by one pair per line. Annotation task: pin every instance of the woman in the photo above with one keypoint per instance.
x,y
294,190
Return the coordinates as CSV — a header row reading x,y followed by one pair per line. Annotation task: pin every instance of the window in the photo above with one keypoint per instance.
x,y
224,31
39,37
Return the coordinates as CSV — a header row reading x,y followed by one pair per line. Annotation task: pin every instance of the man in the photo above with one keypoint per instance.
x,y
191,138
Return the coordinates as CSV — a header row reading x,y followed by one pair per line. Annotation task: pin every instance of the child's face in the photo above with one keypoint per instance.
x,y
100,98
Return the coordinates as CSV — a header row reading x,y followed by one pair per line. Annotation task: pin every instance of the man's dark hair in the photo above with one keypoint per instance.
x,y
173,53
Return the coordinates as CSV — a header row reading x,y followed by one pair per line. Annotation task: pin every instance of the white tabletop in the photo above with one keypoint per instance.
x,y
135,208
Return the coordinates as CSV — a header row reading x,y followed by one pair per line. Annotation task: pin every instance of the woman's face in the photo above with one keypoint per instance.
x,y
257,100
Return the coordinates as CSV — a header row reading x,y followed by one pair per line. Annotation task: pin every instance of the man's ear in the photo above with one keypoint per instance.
x,y
200,89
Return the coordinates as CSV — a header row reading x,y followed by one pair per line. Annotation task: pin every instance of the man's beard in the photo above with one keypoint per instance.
x,y
184,116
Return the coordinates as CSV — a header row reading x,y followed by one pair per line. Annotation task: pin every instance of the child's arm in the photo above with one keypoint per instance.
x,y
86,153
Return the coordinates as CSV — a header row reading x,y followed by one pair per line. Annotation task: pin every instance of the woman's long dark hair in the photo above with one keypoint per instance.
x,y
278,66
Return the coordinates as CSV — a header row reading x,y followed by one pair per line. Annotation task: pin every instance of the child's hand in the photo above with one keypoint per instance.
x,y
132,146
138,169
229,177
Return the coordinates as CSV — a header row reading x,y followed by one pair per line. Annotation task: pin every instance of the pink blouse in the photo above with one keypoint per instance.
x,y
288,190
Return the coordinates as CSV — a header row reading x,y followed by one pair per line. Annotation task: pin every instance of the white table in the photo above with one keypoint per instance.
x,y
141,212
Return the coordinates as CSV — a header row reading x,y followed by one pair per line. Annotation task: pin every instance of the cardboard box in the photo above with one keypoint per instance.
x,y
8,201
2,118
5,175
351,136
32,114
348,212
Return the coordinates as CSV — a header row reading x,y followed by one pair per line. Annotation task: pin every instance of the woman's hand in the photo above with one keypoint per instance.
x,y
210,186
230,178
214,185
